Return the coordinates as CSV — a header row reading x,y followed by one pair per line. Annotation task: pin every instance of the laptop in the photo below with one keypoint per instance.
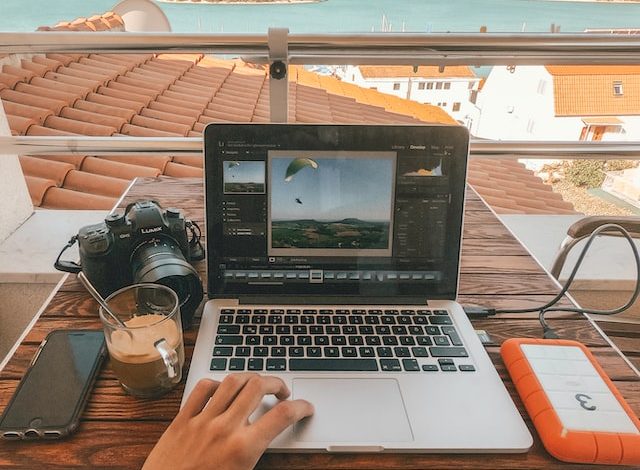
x,y
333,259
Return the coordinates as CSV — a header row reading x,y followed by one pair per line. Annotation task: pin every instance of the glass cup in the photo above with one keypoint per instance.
x,y
147,354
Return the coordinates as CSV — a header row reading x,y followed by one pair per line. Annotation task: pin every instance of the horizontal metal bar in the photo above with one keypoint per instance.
x,y
85,145
366,48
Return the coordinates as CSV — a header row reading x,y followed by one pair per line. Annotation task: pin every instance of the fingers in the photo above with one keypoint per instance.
x,y
199,397
279,418
253,392
226,393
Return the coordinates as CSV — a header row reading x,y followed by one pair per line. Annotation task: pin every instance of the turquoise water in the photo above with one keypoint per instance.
x,y
346,15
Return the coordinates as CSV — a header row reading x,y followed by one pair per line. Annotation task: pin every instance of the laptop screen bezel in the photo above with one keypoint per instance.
x,y
282,133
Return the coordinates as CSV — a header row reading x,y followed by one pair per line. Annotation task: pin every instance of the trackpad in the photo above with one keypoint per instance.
x,y
352,410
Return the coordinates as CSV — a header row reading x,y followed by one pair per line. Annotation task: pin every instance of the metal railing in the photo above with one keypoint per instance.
x,y
374,48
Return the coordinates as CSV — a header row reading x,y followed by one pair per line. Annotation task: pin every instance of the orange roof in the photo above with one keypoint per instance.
x,y
105,22
177,95
423,71
588,90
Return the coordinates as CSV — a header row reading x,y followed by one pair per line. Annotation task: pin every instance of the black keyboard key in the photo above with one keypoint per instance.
x,y
218,363
401,351
432,330
451,332
404,320
228,329
388,320
255,363
372,320
274,319
356,319
435,320
339,320
391,312
407,341
260,351
249,329
325,311
223,351
383,330
228,340
424,340
276,364
441,341
420,320
262,311
278,351
293,311
407,312
399,330
300,330
419,351
316,330
227,311
372,340
383,351
253,340
364,365
338,340
309,311
445,362
303,340
243,319
448,368
291,319
429,367
365,330
466,368
425,312
307,319
415,330
236,363
296,351
244,311
389,340
436,351
270,340
259,319
314,351
226,319
323,320
287,340
266,329
348,351
342,311
440,312
333,330
243,351
331,351
355,340
366,351
390,365
349,330
283,330
358,311
321,340
410,365
375,312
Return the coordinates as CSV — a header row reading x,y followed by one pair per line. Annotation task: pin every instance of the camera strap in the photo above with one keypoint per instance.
x,y
67,266
195,246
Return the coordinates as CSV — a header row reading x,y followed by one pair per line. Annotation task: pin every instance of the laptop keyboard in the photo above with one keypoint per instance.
x,y
391,340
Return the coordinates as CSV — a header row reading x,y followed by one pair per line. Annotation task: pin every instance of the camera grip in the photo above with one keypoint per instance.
x,y
170,358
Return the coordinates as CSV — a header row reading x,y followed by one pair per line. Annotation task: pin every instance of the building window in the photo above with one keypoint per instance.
x,y
438,85
353,77
542,85
456,106
471,84
396,86
447,85
617,89
421,86
429,85
444,104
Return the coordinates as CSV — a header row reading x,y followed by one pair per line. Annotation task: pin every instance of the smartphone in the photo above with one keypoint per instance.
x,y
52,394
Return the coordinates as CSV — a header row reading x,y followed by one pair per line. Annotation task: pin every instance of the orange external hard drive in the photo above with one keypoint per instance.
x,y
578,412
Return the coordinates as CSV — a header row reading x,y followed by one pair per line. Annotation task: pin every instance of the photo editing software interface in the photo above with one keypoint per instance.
x,y
334,221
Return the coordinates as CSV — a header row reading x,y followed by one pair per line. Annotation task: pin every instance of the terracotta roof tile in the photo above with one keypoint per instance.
x,y
47,131
104,63
32,100
38,187
10,80
25,75
38,69
60,198
68,98
199,100
130,92
172,109
46,169
115,102
102,72
98,108
52,64
114,169
423,71
193,160
124,95
78,127
168,117
64,59
102,78
17,109
18,124
94,118
91,85
153,161
139,131
75,160
95,184
160,125
176,169
78,91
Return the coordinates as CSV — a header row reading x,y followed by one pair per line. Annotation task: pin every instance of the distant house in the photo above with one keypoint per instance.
x,y
453,89
561,103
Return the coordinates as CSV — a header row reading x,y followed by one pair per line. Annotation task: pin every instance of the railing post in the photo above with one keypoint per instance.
x,y
278,40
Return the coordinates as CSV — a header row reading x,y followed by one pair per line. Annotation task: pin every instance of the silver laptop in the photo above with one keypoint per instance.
x,y
333,256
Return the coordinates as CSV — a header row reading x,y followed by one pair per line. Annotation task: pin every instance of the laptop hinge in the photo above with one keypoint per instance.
x,y
332,300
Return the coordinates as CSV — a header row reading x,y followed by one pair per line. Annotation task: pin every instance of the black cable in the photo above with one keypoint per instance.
x,y
549,306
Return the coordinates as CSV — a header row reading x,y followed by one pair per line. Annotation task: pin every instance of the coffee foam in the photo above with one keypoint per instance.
x,y
136,345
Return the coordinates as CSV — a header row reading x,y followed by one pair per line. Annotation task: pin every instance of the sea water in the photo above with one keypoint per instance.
x,y
347,15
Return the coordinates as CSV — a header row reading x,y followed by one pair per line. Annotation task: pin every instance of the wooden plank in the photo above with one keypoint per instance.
x,y
515,265
504,284
498,247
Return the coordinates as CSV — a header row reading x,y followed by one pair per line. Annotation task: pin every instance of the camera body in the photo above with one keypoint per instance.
x,y
145,244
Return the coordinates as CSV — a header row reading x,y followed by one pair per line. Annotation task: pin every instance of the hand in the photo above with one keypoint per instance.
x,y
212,429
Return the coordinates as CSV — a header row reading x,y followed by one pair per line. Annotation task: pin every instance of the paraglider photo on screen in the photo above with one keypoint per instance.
x,y
331,203
243,177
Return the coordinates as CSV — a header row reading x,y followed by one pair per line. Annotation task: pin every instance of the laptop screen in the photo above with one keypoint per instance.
x,y
334,210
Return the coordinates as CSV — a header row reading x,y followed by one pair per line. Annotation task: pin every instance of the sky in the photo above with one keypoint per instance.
x,y
338,189
244,172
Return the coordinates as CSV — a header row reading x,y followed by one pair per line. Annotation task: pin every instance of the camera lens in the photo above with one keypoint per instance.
x,y
160,260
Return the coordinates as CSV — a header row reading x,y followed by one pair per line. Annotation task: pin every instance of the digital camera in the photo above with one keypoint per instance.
x,y
145,244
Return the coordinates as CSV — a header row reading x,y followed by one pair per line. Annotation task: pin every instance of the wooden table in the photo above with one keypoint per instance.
x,y
118,431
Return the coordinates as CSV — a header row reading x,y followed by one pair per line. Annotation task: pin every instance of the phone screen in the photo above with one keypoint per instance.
x,y
51,393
